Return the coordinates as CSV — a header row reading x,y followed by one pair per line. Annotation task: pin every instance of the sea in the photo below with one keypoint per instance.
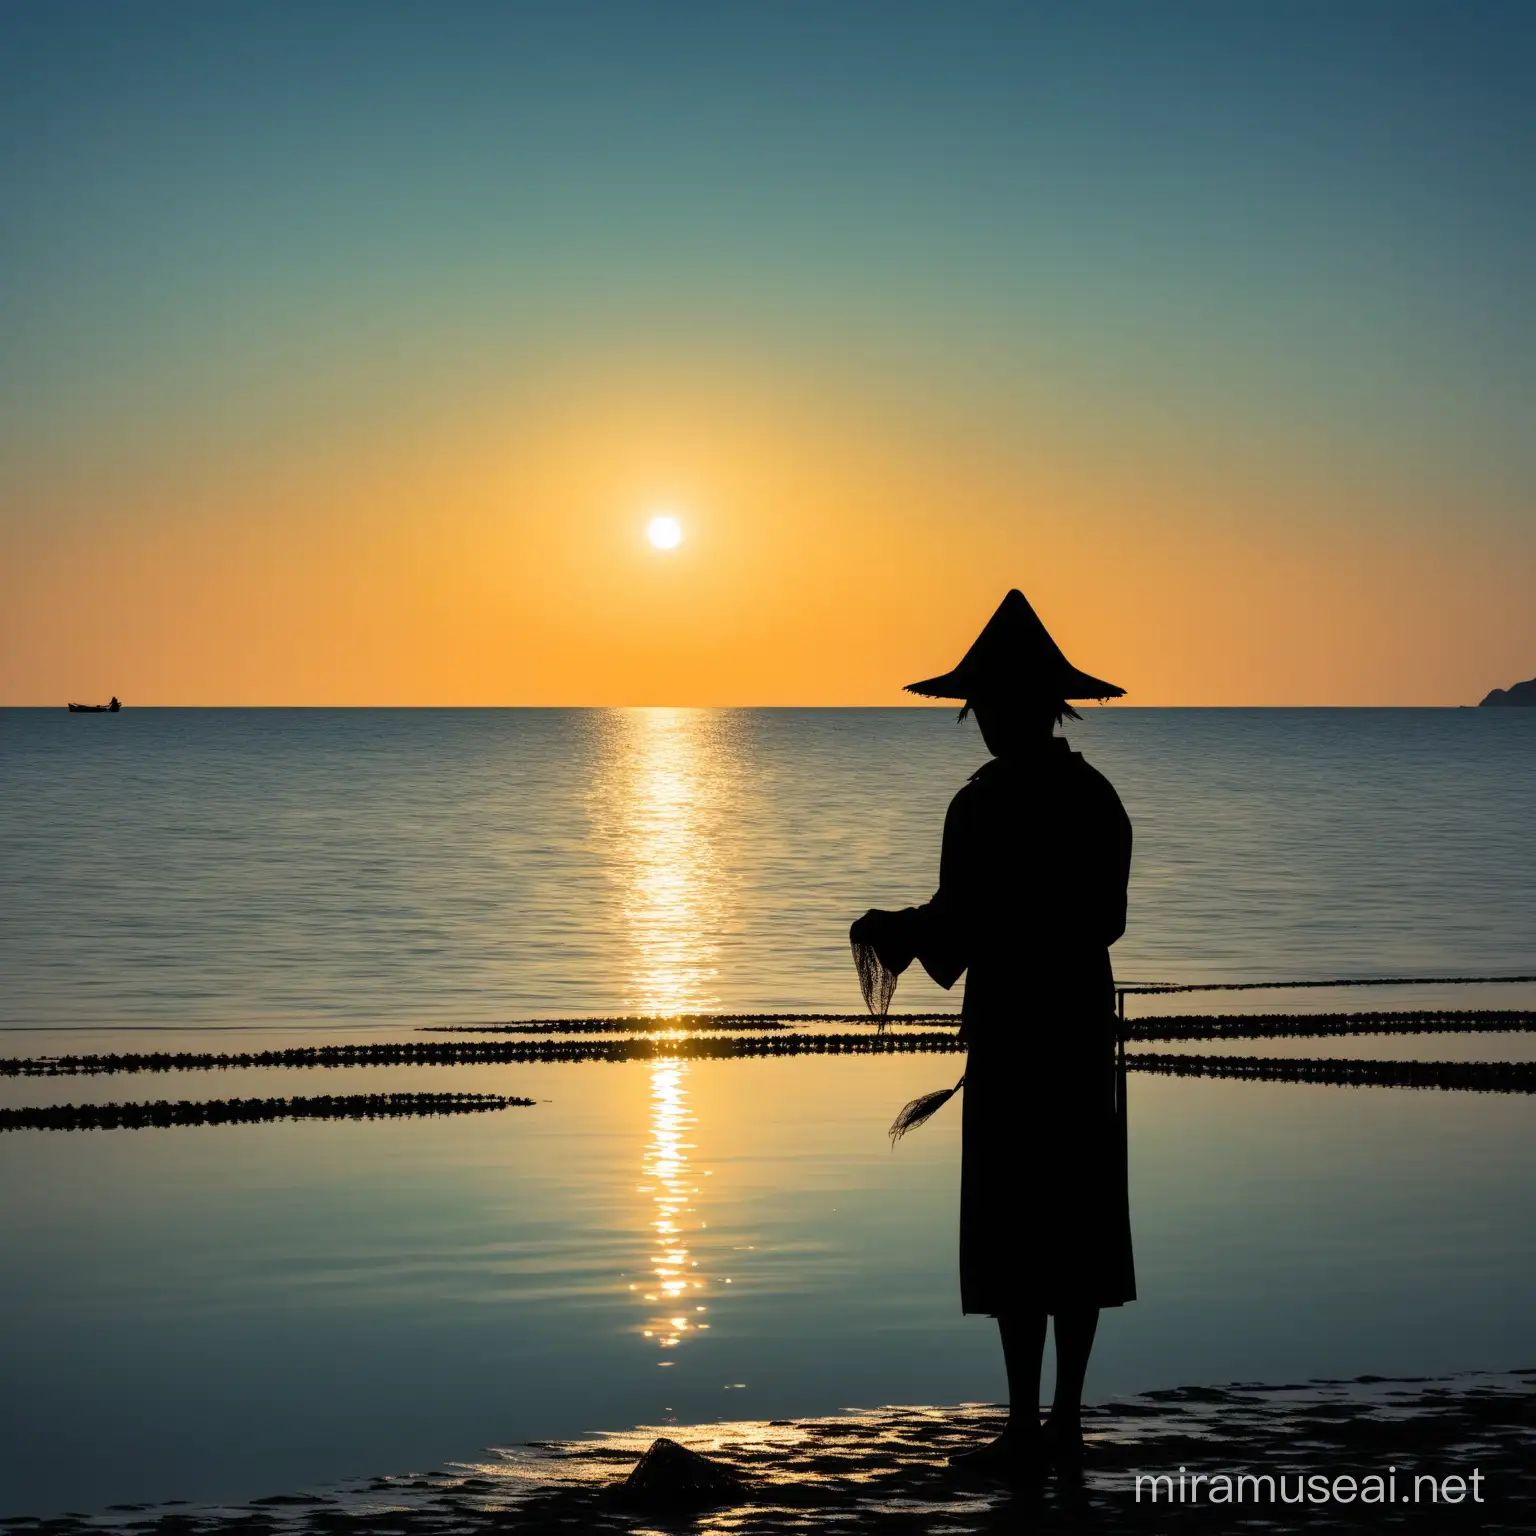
x,y
224,1312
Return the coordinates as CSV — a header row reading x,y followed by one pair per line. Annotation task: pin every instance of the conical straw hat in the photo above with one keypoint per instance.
x,y
1015,654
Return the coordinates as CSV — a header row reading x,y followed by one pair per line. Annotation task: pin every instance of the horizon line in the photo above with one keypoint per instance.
x,y
934,708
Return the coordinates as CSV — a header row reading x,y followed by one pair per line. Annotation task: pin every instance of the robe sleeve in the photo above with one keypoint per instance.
x,y
939,931
1110,879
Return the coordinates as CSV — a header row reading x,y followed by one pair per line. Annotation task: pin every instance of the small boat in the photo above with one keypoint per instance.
x,y
96,709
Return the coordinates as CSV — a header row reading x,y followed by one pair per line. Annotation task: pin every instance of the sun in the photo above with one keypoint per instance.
x,y
665,532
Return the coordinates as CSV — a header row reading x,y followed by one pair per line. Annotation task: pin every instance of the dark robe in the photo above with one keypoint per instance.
x,y
1032,892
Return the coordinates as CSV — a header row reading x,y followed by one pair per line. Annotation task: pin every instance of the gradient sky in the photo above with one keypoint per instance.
x,y
345,350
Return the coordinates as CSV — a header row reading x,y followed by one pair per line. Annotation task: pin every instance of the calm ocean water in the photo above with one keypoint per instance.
x,y
237,1311
329,867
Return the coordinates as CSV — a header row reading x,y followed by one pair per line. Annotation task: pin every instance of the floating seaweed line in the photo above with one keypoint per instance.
x,y
353,1106
1176,1026
453,1053
1486,1077
1261,1026
1152,988
1467,1076
644,1023
643,1047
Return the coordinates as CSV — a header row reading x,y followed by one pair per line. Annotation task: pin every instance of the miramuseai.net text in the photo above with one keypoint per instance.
x,y
1389,1487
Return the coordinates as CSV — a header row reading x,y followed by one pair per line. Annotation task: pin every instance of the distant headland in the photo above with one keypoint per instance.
x,y
1521,693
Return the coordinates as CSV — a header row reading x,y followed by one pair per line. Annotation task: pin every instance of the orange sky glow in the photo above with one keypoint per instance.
x,y
834,549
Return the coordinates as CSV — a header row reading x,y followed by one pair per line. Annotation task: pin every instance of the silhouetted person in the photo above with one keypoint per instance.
x,y
1032,891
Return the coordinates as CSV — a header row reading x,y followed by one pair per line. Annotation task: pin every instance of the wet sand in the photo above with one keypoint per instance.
x,y
885,1471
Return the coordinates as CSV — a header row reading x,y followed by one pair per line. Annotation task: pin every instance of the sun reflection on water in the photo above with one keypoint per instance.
x,y
666,791
676,1288
666,799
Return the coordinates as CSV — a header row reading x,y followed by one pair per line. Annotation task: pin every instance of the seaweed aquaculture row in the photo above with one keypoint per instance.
x,y
454,1053
643,1023
1476,1076
1183,1026
672,1041
1261,1026
352,1106
1473,1076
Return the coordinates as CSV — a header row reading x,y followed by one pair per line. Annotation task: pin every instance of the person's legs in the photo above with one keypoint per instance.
x,y
1023,1335
1074,1343
1064,1430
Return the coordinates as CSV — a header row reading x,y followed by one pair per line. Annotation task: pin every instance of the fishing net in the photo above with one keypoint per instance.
x,y
921,1110
876,983
879,986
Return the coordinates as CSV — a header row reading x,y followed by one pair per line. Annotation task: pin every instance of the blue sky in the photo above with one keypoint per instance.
x,y
1299,231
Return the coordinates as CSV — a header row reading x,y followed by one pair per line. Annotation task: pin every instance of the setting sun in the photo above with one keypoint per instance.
x,y
665,532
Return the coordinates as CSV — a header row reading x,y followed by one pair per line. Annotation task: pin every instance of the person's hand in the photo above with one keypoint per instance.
x,y
889,934
864,928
